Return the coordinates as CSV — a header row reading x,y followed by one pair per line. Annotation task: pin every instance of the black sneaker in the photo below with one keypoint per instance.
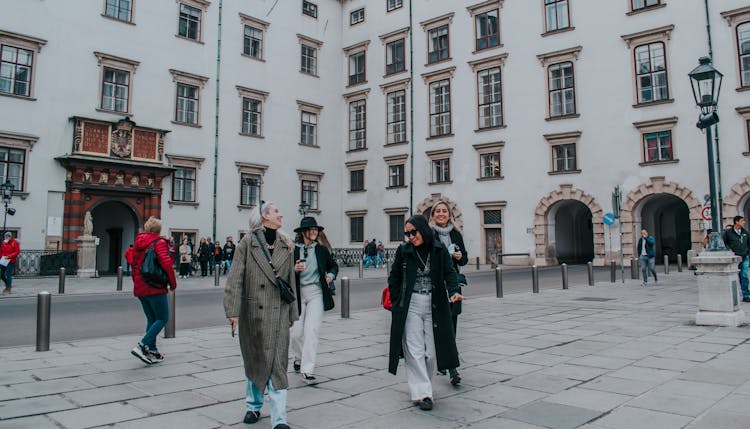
x,y
281,426
308,378
296,366
425,404
156,357
455,379
251,417
141,352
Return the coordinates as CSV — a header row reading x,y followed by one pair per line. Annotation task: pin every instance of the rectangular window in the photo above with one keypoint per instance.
x,y
253,43
11,166
357,180
356,229
487,29
309,129
395,57
357,125
190,22
309,8
394,4
187,104
657,146
396,176
490,98
642,4
438,49
564,157
441,170
251,111
249,189
556,12
118,9
115,89
489,164
561,89
310,193
309,63
183,184
15,71
396,117
357,16
651,72
357,68
396,230
493,217
440,108
743,42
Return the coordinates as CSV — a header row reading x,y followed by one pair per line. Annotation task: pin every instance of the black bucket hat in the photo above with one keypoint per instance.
x,y
306,223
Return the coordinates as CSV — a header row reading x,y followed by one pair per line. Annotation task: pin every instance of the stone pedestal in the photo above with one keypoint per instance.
x,y
86,256
718,290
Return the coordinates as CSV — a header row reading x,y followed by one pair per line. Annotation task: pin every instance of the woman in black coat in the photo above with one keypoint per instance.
x,y
421,280
446,232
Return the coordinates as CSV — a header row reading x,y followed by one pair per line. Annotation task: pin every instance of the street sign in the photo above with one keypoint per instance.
x,y
609,218
706,213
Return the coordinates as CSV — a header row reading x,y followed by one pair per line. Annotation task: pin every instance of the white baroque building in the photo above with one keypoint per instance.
x,y
524,114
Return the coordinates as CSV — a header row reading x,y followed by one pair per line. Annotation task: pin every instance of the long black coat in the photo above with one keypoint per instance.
x,y
326,264
444,284
458,240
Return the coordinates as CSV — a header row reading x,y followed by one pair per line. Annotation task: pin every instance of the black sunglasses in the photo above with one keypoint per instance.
x,y
411,233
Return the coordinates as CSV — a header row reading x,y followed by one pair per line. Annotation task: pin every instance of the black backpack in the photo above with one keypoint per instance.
x,y
151,271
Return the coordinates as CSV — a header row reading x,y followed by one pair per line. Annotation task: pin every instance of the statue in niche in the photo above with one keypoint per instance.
x,y
104,177
120,178
88,224
87,176
135,180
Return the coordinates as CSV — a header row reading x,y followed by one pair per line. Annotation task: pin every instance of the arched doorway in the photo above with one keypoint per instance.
x,y
571,231
115,224
667,219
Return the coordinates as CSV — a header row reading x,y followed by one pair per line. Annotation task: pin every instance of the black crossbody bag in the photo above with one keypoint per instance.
x,y
287,294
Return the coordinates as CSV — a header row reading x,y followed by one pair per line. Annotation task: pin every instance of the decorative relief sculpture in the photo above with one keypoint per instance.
x,y
104,177
122,139
88,224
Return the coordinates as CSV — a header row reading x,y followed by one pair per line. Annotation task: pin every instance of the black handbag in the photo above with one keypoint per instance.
x,y
151,271
286,292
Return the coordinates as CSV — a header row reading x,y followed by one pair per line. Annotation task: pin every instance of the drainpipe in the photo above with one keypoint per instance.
x,y
411,110
216,124
718,211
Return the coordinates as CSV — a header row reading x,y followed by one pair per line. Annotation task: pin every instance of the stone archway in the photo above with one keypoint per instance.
x,y
736,201
631,223
425,206
544,250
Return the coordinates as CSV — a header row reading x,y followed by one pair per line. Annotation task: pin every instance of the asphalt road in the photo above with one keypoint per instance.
x,y
95,316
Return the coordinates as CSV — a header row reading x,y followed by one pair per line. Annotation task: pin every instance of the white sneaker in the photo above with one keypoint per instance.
x,y
141,352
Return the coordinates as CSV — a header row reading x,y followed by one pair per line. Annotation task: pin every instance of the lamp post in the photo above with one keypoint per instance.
x,y
304,207
6,189
706,83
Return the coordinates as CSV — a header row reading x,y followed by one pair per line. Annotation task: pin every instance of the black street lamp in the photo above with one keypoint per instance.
x,y
706,83
304,207
6,189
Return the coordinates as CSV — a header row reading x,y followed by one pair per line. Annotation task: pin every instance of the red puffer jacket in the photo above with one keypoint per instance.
x,y
11,249
142,243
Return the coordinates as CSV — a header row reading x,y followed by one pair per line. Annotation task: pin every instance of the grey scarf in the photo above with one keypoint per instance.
x,y
444,233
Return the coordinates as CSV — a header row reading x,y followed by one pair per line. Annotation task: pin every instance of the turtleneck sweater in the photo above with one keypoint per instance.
x,y
270,236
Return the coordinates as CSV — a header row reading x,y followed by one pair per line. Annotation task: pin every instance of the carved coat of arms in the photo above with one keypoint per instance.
x,y
122,138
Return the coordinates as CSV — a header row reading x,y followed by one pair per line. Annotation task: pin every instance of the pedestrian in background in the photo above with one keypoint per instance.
x,y
381,253
314,270
229,247
204,250
253,303
217,257
372,254
9,252
129,259
736,238
646,256
153,298
186,257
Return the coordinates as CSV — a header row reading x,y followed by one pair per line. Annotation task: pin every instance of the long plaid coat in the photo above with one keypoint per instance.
x,y
264,319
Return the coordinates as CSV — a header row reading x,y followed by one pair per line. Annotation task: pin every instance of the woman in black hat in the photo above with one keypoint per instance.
x,y
315,268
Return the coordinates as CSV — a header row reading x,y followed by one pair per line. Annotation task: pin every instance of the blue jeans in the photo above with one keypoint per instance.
x,y
371,260
647,264
7,274
744,267
276,399
156,308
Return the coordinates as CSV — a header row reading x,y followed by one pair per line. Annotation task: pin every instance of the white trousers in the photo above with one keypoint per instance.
x,y
419,347
304,346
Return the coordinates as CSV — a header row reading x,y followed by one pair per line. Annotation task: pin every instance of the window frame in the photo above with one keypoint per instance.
x,y
481,9
435,24
184,162
478,66
192,80
393,214
562,90
744,113
489,105
396,161
192,181
359,12
310,43
358,216
652,74
250,169
391,48
656,126
310,177
440,158
259,25
106,61
559,140
258,96
116,17
29,43
200,5
437,108
354,167
549,59
310,9
430,79
360,124
397,4
357,78
115,87
493,148
736,18
632,9
24,143
556,5
309,109
646,37
389,115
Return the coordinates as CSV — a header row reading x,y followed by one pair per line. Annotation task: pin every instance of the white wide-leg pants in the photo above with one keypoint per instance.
x,y
304,344
419,347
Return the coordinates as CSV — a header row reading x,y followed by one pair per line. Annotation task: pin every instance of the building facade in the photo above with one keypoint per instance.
x,y
525,115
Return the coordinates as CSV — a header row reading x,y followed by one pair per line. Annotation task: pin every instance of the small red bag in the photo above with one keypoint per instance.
x,y
385,300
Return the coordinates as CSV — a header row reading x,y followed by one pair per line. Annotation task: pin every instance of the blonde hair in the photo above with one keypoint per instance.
x,y
450,214
256,221
153,224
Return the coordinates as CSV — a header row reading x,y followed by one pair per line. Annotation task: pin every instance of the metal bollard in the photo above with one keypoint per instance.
x,y
345,297
679,263
119,278
170,327
499,282
564,269
361,267
43,303
61,281
216,275
666,264
477,263
590,269
612,271
634,269
534,279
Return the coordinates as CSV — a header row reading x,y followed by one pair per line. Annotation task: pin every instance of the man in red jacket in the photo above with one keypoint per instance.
x,y
129,258
8,253
153,298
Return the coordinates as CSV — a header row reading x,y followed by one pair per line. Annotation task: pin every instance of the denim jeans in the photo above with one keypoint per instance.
x,y
156,308
7,274
371,260
647,264
744,267
276,399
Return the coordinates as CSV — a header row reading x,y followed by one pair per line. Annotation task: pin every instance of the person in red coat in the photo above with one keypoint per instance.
x,y
129,258
8,253
153,299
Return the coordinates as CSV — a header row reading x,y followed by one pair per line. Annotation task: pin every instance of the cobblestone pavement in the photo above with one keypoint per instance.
x,y
609,356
